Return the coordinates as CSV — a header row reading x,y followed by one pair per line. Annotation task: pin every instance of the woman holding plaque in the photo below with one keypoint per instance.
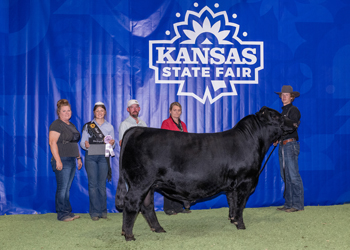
x,y
98,141
172,207
63,140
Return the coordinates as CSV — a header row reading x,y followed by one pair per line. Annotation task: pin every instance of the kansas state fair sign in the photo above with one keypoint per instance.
x,y
206,56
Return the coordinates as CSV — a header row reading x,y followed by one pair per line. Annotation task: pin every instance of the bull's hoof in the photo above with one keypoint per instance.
x,y
129,237
158,230
240,226
233,221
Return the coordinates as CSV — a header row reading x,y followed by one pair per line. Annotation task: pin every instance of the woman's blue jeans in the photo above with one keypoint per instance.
x,y
64,179
294,190
97,169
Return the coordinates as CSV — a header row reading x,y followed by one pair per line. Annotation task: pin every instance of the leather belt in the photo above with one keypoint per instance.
x,y
288,140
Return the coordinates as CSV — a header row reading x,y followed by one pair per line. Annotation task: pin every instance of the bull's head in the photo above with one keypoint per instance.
x,y
272,117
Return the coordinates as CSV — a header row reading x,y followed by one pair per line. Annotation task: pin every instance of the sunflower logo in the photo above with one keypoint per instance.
x,y
206,28
206,54
92,125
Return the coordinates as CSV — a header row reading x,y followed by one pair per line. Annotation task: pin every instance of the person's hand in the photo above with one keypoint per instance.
x,y
87,144
80,164
112,142
59,165
275,143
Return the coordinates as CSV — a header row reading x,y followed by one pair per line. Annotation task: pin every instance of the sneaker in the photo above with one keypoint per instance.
x,y
68,219
290,210
282,208
76,217
95,218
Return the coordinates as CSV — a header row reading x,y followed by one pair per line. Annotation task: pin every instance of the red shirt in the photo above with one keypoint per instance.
x,y
169,124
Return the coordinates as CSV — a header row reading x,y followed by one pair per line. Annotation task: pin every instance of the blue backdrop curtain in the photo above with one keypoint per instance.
x,y
111,51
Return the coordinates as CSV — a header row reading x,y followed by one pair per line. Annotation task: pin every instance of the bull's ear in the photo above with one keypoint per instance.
x,y
262,110
262,114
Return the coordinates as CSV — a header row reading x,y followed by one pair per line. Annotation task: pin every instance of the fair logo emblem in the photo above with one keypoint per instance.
x,y
206,57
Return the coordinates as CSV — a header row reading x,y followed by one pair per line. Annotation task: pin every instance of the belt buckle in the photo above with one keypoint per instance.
x,y
288,140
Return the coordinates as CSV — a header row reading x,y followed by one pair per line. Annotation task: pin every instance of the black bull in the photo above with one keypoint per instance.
x,y
188,167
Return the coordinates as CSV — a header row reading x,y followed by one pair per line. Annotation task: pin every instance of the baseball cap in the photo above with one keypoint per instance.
x,y
131,102
99,103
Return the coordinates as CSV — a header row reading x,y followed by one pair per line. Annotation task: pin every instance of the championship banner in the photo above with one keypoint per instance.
x,y
221,60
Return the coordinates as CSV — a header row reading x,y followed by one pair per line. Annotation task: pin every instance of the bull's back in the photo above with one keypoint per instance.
x,y
186,162
161,148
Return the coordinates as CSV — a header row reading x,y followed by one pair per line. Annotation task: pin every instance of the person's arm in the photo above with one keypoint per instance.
x,y
80,163
293,117
294,114
166,125
122,129
84,143
112,142
53,138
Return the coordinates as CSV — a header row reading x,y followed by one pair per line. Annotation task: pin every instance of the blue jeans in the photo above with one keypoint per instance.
x,y
64,179
294,190
97,169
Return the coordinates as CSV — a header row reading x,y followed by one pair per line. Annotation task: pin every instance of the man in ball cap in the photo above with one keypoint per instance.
x,y
133,120
288,154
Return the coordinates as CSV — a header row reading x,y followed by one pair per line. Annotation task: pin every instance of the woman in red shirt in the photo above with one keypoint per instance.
x,y
173,122
172,207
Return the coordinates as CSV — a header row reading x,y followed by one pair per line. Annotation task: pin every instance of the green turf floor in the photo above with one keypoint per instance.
x,y
326,227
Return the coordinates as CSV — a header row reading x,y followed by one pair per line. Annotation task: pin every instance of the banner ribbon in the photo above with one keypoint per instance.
x,y
109,148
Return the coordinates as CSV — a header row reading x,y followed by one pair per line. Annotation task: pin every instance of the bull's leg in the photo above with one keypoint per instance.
x,y
147,209
132,203
242,192
129,218
187,204
231,200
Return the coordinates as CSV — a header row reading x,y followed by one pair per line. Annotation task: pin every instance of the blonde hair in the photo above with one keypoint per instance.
x,y
61,103
175,104
292,96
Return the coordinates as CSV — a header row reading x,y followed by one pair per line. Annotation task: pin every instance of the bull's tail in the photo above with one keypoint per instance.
x,y
121,192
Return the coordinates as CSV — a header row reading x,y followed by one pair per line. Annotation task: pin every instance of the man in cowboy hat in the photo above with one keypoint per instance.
x,y
288,155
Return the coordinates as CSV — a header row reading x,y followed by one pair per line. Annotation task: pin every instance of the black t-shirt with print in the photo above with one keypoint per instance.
x,y
69,137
